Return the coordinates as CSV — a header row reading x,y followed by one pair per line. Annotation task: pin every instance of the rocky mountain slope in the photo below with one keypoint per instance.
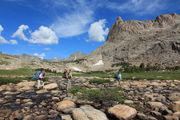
x,y
151,41
76,56
21,61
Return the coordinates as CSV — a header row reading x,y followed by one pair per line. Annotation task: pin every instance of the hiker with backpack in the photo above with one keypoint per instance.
x,y
40,77
68,75
118,76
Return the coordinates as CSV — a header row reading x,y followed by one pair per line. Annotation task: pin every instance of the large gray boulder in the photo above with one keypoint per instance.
x,y
87,112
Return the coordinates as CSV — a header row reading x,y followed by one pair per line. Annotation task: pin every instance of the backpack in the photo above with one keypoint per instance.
x,y
37,75
118,76
64,74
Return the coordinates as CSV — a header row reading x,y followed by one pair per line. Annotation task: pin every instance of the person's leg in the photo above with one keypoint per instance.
x,y
42,83
38,84
69,81
67,85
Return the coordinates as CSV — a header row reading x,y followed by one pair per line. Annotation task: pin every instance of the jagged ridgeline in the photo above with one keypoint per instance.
x,y
155,42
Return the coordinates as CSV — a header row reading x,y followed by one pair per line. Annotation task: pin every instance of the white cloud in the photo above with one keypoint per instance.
x,y
44,35
1,29
3,40
14,42
42,55
20,32
72,24
76,20
138,6
98,31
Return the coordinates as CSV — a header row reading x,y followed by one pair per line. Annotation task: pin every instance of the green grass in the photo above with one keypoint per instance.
x,y
99,95
151,75
24,72
18,72
6,80
99,81
155,75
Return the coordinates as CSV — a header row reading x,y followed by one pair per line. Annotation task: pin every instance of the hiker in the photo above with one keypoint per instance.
x,y
39,77
118,76
68,76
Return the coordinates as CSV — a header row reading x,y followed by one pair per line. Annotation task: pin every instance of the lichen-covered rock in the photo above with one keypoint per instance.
x,y
66,106
122,112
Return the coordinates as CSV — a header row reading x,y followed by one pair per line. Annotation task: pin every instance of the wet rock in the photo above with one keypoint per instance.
x,y
122,111
65,106
87,112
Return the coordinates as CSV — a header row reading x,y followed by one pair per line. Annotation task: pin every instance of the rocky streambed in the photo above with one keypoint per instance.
x,y
145,100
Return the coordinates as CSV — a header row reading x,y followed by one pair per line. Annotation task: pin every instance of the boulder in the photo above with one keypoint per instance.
x,y
51,86
41,91
6,87
87,112
66,117
171,117
122,111
174,96
41,117
66,106
156,106
28,117
16,115
26,84
176,106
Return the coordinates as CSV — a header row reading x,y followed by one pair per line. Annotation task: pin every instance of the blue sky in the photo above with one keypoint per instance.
x,y
58,28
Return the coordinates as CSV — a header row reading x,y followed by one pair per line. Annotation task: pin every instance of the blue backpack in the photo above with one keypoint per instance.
x,y
37,75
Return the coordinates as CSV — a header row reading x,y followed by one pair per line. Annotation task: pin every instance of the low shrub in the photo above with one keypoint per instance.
x,y
100,95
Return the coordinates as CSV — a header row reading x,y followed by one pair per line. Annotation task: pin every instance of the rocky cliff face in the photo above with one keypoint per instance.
x,y
151,41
